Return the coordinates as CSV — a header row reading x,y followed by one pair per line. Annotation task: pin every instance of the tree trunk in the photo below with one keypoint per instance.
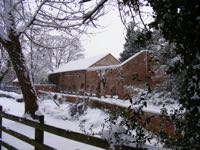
x,y
5,72
14,50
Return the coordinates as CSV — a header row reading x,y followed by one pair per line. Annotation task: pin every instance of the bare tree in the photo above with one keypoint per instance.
x,y
60,50
50,52
5,64
37,64
17,17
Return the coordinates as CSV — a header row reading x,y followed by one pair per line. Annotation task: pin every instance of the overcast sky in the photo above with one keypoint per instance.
x,y
107,40
111,38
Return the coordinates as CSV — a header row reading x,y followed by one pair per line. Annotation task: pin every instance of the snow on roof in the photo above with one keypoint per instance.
x,y
81,64
103,67
133,57
116,66
84,64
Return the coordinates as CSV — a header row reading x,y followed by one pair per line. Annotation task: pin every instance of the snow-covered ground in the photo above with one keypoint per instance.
x,y
55,116
91,121
154,101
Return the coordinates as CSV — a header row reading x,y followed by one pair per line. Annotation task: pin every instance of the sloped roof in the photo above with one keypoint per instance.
x,y
81,64
132,57
119,65
86,64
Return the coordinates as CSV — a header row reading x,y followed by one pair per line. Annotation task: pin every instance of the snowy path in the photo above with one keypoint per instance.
x,y
12,107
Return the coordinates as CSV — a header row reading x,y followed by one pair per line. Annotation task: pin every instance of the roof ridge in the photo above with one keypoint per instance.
x,y
103,58
130,58
80,64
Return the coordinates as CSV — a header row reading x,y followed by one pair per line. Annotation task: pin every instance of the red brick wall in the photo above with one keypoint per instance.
x,y
135,72
105,61
132,73
113,83
72,81
92,80
46,87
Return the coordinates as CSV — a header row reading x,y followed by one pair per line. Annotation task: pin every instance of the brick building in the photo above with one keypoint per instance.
x,y
104,75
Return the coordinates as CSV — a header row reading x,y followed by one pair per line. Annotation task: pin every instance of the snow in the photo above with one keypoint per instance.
x,y
3,36
154,103
103,67
151,108
94,119
81,64
12,94
92,122
54,118
134,56
15,80
85,64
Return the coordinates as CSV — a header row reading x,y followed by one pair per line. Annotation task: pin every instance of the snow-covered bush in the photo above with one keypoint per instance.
x,y
156,98
115,132
119,131
78,108
93,120
128,129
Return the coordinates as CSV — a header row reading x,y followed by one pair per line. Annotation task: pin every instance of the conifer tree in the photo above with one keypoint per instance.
x,y
134,42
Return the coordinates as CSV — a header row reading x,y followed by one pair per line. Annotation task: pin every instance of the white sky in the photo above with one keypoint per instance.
x,y
107,40
111,38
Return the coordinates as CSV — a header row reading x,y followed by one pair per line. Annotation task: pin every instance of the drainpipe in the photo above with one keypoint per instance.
x,y
147,77
146,63
146,69
85,80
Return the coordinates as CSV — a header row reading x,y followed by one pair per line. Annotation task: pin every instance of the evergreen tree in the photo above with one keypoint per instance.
x,y
134,42
179,23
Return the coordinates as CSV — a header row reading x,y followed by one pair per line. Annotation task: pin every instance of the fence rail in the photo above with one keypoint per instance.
x,y
10,88
40,127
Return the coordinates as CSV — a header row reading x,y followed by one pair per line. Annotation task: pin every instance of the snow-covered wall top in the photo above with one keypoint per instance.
x,y
103,67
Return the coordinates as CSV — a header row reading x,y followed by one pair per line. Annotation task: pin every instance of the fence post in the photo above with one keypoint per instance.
x,y
0,124
39,134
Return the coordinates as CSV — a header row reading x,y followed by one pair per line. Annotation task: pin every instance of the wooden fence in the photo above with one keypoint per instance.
x,y
38,141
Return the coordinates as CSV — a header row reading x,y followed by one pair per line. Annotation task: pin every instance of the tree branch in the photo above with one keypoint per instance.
x,y
141,17
30,22
88,16
45,46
